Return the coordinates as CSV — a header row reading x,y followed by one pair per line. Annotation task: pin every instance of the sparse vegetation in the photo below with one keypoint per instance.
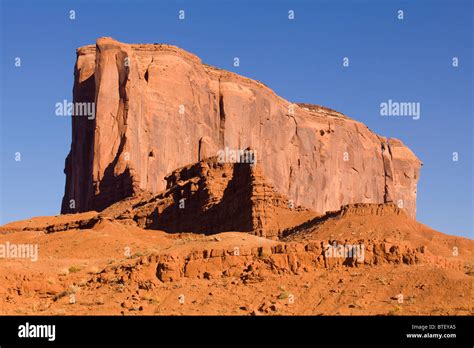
x,y
283,295
75,269
150,299
397,310
71,290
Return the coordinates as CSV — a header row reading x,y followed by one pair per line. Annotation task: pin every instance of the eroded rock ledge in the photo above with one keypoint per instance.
x,y
257,263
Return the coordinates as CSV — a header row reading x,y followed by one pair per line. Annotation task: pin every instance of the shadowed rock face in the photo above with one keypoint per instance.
x,y
159,108
211,197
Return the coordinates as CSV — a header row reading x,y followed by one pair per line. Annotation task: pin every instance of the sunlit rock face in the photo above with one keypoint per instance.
x,y
159,108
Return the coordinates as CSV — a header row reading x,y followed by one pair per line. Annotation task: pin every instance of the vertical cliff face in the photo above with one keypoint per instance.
x,y
159,108
79,162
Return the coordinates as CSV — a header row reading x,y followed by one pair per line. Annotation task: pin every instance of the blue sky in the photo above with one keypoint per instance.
x,y
301,59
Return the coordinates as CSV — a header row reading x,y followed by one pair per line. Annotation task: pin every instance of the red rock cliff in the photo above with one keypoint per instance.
x,y
159,108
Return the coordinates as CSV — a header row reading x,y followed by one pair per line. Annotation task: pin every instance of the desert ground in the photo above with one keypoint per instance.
x,y
119,269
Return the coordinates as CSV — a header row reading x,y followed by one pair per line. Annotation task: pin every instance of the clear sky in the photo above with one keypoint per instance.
x,y
406,60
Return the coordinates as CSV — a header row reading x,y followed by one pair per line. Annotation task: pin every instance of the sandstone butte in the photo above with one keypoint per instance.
x,y
159,108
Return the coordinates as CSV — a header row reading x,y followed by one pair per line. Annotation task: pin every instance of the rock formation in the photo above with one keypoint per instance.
x,y
159,108
210,197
